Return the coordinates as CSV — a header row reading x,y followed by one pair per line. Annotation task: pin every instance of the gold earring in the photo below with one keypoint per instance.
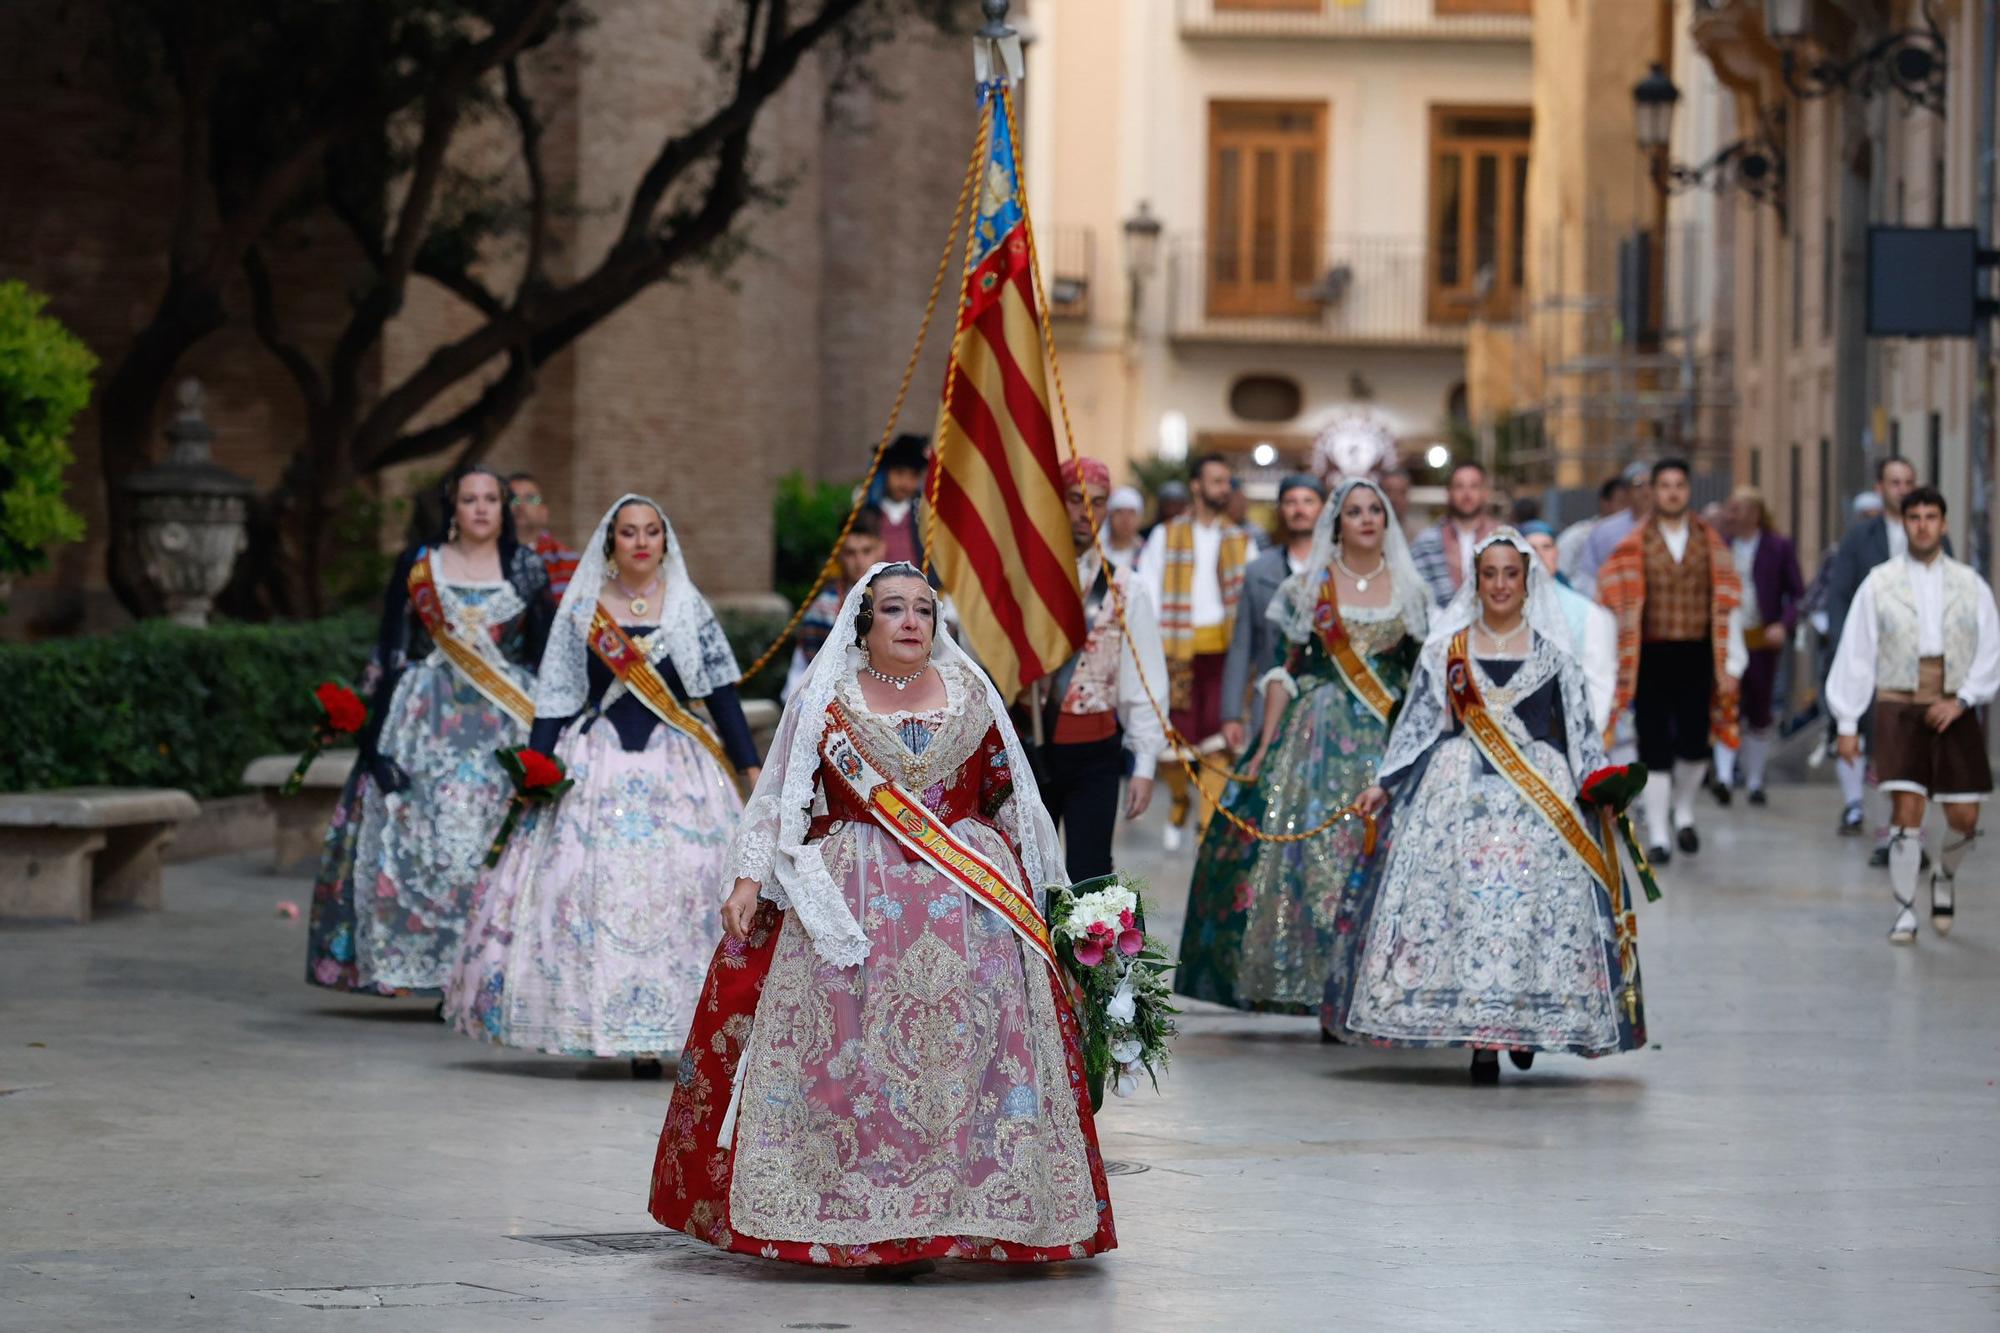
x,y
453,535
614,568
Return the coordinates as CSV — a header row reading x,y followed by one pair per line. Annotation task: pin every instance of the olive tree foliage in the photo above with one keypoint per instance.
x,y
345,114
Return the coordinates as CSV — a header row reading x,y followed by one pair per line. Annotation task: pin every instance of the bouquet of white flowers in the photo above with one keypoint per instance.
x,y
1120,975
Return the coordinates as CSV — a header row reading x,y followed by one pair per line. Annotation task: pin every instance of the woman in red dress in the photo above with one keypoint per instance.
x,y
884,1067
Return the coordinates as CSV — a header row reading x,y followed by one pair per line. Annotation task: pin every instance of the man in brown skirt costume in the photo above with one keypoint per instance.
x,y
1922,644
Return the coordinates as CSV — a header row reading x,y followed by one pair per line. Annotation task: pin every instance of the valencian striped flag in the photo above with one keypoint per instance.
x,y
1001,542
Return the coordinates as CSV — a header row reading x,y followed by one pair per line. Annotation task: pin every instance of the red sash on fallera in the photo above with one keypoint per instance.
x,y
1361,679
453,642
905,818
614,647
1499,749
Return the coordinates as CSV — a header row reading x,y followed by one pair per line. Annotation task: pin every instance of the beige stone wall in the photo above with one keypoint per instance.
x,y
701,392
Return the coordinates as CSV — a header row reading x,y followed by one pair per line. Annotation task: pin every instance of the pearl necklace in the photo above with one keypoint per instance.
x,y
1361,581
1498,639
900,682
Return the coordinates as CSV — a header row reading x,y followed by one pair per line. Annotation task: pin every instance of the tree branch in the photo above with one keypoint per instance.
x,y
782,53
637,258
264,314
533,279
485,415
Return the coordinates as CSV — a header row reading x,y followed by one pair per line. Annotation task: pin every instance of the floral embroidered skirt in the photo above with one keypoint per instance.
x,y
593,934
1268,923
1487,931
929,1103
397,871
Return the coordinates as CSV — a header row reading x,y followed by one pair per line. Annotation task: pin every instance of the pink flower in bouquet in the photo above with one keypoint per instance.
x,y
1130,942
1100,931
1125,919
1089,952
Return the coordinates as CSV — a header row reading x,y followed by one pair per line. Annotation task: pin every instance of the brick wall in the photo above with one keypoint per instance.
x,y
700,392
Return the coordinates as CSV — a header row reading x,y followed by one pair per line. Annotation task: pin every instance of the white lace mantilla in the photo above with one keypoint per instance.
x,y
771,846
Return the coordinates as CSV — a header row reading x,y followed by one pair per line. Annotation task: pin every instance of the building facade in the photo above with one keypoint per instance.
x,y
1820,401
1339,189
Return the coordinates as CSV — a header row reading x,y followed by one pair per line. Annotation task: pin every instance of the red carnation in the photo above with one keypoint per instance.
x,y
538,770
345,713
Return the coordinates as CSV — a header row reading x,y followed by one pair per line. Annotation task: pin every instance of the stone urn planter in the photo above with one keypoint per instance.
x,y
192,516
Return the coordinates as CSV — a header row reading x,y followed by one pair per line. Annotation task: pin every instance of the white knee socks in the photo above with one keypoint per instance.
x,y
1687,781
1756,756
1850,773
1906,854
1952,854
1658,797
1725,765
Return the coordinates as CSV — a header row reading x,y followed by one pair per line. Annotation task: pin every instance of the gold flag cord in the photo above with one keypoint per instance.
x,y
832,561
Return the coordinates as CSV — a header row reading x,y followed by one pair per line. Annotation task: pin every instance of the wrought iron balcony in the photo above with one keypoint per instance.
x,y
1381,291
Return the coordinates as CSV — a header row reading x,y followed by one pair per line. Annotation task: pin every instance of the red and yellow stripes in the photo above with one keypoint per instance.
x,y
1001,541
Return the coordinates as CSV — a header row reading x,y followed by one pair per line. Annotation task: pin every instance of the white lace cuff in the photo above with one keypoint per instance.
x,y
1280,675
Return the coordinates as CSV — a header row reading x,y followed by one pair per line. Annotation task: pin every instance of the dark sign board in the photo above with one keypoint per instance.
x,y
1922,282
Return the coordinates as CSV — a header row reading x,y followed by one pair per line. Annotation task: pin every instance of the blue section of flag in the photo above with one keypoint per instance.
x,y
1000,187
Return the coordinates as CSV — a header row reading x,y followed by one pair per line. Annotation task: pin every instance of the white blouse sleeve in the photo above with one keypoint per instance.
x,y
1982,681
1141,656
1850,685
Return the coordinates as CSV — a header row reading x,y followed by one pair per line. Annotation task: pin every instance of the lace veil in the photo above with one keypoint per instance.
x,y
1550,653
770,845
1293,604
689,632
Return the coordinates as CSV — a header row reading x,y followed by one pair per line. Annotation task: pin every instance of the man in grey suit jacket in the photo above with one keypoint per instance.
x,y
1254,642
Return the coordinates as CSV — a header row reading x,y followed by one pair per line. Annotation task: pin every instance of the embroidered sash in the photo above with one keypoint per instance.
x,y
1499,749
614,648
473,665
1361,679
845,762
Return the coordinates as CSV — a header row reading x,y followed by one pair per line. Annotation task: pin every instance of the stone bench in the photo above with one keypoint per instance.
x,y
301,819
66,852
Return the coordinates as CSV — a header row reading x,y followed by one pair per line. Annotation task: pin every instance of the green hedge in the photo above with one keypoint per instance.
x,y
160,705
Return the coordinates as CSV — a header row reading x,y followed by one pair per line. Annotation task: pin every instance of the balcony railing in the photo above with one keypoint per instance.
x,y
1439,20
1355,290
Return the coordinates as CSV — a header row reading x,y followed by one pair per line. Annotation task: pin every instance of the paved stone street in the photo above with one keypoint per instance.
x,y
191,1138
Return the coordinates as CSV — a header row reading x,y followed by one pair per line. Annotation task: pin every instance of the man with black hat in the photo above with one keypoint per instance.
x,y
1253,643
898,493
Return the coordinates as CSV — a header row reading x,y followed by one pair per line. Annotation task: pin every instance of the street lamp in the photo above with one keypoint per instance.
x,y
1910,60
1653,100
1754,166
1142,257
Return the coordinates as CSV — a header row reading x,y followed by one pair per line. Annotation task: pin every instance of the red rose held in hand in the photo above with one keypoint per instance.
x,y
344,710
538,770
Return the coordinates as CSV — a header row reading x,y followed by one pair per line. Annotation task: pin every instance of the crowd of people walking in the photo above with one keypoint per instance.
x,y
1388,752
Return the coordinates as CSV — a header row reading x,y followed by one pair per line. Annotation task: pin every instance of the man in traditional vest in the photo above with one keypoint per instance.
x,y
1922,645
1672,585
1095,709
1193,568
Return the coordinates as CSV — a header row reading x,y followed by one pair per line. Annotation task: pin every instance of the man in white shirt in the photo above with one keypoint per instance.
x,y
1922,646
1100,705
1193,568
1867,544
